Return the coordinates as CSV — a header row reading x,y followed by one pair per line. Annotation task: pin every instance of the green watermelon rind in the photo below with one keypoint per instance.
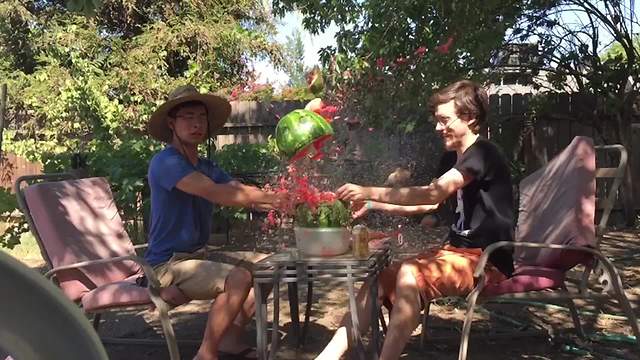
x,y
298,129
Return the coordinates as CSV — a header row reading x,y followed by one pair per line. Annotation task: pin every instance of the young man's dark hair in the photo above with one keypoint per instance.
x,y
470,99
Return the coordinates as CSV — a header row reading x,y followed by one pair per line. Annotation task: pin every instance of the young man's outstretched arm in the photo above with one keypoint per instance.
x,y
230,194
435,193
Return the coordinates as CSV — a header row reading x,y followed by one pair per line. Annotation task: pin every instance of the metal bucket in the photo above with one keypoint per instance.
x,y
322,241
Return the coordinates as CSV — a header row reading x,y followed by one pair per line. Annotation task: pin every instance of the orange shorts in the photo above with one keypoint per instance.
x,y
447,271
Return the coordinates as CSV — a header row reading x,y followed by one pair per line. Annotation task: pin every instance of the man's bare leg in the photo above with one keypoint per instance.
x,y
405,314
341,340
224,310
233,340
249,306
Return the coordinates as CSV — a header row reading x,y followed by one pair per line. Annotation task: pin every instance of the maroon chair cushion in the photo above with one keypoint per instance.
x,y
536,278
524,283
117,294
77,220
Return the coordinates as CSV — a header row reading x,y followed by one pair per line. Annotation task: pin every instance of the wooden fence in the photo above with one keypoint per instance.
x,y
570,116
16,167
252,122
567,118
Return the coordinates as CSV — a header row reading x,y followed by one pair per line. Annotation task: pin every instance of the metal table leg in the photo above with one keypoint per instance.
x,y
375,327
355,323
294,309
307,313
261,320
294,306
275,333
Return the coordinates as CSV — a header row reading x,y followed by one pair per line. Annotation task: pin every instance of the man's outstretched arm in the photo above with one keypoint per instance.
x,y
233,193
435,193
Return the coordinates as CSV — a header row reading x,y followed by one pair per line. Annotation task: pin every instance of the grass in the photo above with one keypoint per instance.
x,y
27,249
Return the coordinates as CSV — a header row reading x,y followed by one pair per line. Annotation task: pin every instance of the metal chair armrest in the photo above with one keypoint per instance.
x,y
138,248
152,279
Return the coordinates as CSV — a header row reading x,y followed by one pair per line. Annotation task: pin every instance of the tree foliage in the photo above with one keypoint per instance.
x,y
587,47
83,6
391,54
294,66
87,85
584,46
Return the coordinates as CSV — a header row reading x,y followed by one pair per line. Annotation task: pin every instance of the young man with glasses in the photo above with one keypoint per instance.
x,y
481,181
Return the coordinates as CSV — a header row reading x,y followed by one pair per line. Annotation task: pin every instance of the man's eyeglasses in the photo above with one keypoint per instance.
x,y
447,124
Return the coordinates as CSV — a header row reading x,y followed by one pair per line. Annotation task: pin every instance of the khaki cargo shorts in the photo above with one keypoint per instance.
x,y
201,275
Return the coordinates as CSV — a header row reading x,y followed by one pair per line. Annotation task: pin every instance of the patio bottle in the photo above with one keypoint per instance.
x,y
360,241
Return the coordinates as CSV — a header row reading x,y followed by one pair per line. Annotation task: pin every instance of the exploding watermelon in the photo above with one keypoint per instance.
x,y
300,130
322,108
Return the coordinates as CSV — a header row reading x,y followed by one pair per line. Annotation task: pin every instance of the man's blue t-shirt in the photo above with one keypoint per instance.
x,y
180,222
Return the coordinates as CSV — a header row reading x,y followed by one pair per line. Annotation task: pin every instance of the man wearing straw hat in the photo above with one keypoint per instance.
x,y
183,189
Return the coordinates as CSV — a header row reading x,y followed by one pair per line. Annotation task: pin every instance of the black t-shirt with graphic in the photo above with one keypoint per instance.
x,y
484,213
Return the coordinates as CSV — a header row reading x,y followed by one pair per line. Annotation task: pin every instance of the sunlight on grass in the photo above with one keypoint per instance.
x,y
27,249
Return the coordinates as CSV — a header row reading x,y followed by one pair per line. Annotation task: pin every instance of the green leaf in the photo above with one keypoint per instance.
x,y
327,215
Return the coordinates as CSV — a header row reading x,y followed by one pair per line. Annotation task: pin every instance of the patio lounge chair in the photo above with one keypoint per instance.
x,y
555,233
83,240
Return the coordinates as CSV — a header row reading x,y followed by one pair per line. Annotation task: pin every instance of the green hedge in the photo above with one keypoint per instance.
x,y
8,201
248,158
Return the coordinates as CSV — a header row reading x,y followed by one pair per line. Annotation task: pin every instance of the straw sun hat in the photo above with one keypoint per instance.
x,y
218,110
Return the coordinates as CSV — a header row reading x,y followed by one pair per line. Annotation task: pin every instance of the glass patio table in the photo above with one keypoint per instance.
x,y
292,268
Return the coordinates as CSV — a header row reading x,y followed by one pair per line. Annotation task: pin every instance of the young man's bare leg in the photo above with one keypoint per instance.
x,y
405,314
341,340
233,340
249,306
224,310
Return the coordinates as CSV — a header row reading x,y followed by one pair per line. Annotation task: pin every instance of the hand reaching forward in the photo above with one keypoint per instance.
x,y
352,192
360,208
282,201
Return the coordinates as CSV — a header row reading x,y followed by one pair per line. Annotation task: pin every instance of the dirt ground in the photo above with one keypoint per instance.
x,y
500,331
